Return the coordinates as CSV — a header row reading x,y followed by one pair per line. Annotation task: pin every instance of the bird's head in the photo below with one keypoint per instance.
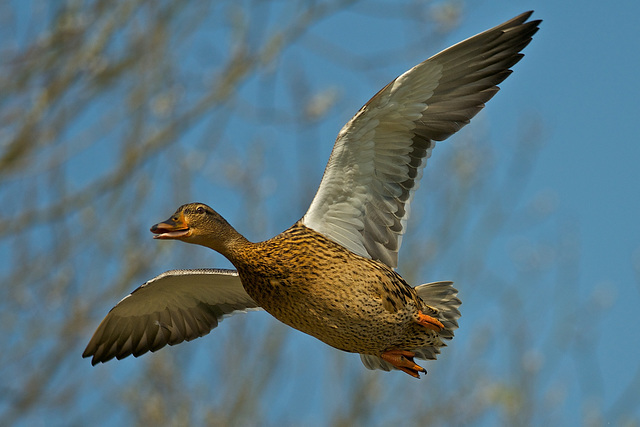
x,y
197,223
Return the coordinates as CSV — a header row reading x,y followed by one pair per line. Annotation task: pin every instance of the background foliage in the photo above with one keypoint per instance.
x,y
114,113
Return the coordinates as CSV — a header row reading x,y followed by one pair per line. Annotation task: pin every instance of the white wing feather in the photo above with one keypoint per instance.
x,y
377,161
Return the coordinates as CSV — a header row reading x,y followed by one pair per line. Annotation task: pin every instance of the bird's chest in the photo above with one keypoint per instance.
x,y
294,270
296,290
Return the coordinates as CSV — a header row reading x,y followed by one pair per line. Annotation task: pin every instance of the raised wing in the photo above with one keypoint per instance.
x,y
376,163
176,306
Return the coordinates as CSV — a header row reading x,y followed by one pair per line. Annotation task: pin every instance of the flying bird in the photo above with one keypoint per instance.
x,y
332,274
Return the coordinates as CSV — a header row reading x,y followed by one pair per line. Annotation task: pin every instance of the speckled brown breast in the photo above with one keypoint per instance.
x,y
318,287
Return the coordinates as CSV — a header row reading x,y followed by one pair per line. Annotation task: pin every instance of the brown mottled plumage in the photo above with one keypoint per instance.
x,y
288,276
332,274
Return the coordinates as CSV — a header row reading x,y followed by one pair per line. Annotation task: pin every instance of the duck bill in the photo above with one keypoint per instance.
x,y
175,227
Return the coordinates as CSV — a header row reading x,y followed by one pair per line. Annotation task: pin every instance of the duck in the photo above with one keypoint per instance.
x,y
333,275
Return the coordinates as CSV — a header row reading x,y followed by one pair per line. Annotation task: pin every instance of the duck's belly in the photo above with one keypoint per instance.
x,y
350,318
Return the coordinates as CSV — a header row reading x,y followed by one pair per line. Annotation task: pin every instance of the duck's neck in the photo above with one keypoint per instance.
x,y
229,243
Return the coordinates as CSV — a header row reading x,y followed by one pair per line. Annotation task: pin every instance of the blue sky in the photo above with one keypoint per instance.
x,y
580,76
579,81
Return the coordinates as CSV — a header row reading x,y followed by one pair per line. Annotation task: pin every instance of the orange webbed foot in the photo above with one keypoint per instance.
x,y
403,360
429,322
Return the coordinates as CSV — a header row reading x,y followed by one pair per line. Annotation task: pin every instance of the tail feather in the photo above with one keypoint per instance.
x,y
441,296
375,362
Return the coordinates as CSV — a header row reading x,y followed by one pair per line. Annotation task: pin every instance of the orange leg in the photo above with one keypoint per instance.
x,y
429,322
403,360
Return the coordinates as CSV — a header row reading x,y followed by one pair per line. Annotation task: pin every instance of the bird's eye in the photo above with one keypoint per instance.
x,y
200,210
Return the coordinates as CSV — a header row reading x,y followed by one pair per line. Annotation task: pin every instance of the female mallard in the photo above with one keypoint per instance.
x,y
332,274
